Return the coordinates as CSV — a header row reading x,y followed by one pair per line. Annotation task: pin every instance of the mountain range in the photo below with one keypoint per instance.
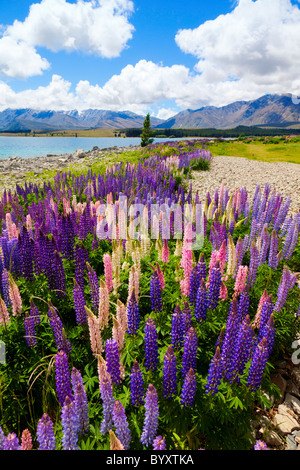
x,y
266,111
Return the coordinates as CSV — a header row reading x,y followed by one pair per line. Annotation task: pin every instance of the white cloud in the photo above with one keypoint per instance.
x,y
18,59
99,27
248,52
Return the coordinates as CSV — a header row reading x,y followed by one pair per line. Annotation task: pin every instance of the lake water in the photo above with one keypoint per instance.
x,y
27,147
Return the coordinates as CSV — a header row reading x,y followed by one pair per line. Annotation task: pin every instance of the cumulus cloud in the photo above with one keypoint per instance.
x,y
250,51
99,27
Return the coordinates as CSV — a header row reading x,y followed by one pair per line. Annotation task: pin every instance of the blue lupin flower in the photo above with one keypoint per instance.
x,y
242,348
113,360
201,302
133,315
45,433
151,416
80,399
108,403
232,326
62,377
169,373
189,357
258,364
155,293
79,304
121,424
188,392
214,287
136,385
177,328
69,421
215,373
151,346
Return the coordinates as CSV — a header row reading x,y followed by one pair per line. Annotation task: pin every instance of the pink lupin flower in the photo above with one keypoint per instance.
x,y
102,368
11,227
95,333
26,440
165,251
133,282
223,291
262,300
187,265
121,314
108,271
118,333
160,276
103,312
4,315
214,258
222,256
15,298
240,281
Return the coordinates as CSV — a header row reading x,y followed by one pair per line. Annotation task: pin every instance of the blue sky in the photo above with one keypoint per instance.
x,y
146,56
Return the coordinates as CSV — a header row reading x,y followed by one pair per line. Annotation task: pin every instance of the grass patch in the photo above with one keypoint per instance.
x,y
257,150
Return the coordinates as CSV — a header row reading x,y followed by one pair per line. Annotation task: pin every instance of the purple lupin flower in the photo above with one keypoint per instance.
x,y
136,385
266,312
155,293
159,443
2,438
242,348
232,326
258,364
177,328
243,304
151,346
45,433
269,333
113,360
273,260
80,399
133,315
56,324
188,392
108,403
121,424
62,377
201,302
11,442
151,416
5,287
215,373
79,304
264,246
169,374
193,285
253,265
29,324
187,316
214,287
70,427
94,287
283,288
189,357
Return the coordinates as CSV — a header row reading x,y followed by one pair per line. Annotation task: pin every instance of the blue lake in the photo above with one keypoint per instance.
x,y
28,147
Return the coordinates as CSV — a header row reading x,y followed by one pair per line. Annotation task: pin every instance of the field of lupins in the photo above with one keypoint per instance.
x,y
114,336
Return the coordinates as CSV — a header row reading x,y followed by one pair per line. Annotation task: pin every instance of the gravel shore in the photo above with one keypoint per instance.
x,y
236,172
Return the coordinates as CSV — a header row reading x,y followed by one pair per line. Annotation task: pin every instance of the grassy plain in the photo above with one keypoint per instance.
x,y
284,151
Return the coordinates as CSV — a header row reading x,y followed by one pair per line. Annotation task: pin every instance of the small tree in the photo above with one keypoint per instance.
x,y
147,133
